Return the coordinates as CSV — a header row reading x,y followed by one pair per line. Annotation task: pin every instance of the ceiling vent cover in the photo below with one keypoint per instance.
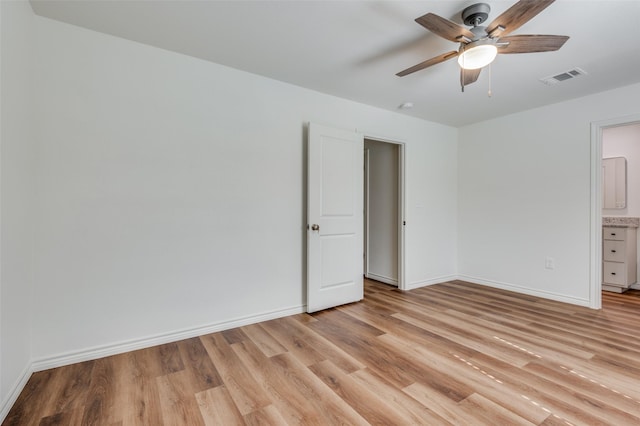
x,y
564,76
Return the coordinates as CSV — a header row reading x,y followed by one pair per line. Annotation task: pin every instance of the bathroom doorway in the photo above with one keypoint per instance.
x,y
599,132
621,203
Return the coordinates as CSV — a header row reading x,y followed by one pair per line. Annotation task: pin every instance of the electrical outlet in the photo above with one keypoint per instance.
x,y
549,263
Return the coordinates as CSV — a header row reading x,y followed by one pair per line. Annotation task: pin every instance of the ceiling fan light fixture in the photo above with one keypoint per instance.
x,y
477,54
478,46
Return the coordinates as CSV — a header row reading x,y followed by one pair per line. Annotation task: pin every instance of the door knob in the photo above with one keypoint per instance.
x,y
315,227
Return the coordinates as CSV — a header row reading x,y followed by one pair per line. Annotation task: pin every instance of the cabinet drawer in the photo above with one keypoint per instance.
x,y
614,273
618,234
614,251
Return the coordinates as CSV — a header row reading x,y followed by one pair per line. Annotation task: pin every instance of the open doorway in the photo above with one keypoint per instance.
x,y
383,211
598,130
621,206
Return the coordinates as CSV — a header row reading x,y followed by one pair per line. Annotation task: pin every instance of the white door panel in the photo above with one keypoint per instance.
x,y
337,252
334,249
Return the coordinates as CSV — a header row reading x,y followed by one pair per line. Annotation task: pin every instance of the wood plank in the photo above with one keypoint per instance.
x,y
139,389
234,335
265,416
314,346
487,412
68,418
569,403
295,338
147,363
170,358
263,340
239,381
463,334
402,403
363,399
217,407
299,395
444,407
592,386
102,394
69,388
340,328
177,402
196,360
475,379
291,405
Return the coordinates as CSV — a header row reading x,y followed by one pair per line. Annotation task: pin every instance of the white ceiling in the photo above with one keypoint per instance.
x,y
353,49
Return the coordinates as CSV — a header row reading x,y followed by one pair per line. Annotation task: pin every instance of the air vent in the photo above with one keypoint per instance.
x,y
564,76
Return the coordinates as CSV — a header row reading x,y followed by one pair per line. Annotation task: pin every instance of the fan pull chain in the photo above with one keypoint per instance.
x,y
489,93
463,70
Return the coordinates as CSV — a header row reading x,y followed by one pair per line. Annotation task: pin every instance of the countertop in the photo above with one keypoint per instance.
x,y
620,221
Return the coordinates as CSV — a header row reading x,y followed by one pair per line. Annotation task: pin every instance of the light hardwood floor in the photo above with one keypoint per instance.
x,y
453,353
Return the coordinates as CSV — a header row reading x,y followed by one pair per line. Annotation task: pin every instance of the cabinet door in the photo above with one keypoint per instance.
x,y
614,251
614,273
614,233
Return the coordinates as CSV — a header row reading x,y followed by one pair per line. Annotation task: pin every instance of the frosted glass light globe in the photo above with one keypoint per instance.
x,y
477,56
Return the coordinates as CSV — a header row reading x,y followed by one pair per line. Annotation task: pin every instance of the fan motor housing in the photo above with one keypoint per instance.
x,y
476,14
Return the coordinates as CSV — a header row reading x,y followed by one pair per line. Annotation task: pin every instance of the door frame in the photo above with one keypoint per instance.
x,y
401,207
595,222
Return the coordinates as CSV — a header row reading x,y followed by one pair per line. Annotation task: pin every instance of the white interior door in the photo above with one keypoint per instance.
x,y
334,213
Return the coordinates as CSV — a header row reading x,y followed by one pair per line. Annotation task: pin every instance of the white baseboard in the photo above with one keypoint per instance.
x,y
102,351
525,290
382,279
432,281
8,402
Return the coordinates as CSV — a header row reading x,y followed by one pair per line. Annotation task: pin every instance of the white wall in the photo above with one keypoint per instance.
x,y
171,192
16,194
382,211
524,194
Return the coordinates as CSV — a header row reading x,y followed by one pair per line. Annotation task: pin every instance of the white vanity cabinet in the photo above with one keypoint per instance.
x,y
618,258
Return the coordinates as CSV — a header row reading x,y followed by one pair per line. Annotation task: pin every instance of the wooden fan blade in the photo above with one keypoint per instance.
x,y
428,63
529,43
444,27
469,76
517,15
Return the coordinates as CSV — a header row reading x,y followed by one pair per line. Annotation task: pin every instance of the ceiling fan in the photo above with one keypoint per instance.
x,y
480,44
